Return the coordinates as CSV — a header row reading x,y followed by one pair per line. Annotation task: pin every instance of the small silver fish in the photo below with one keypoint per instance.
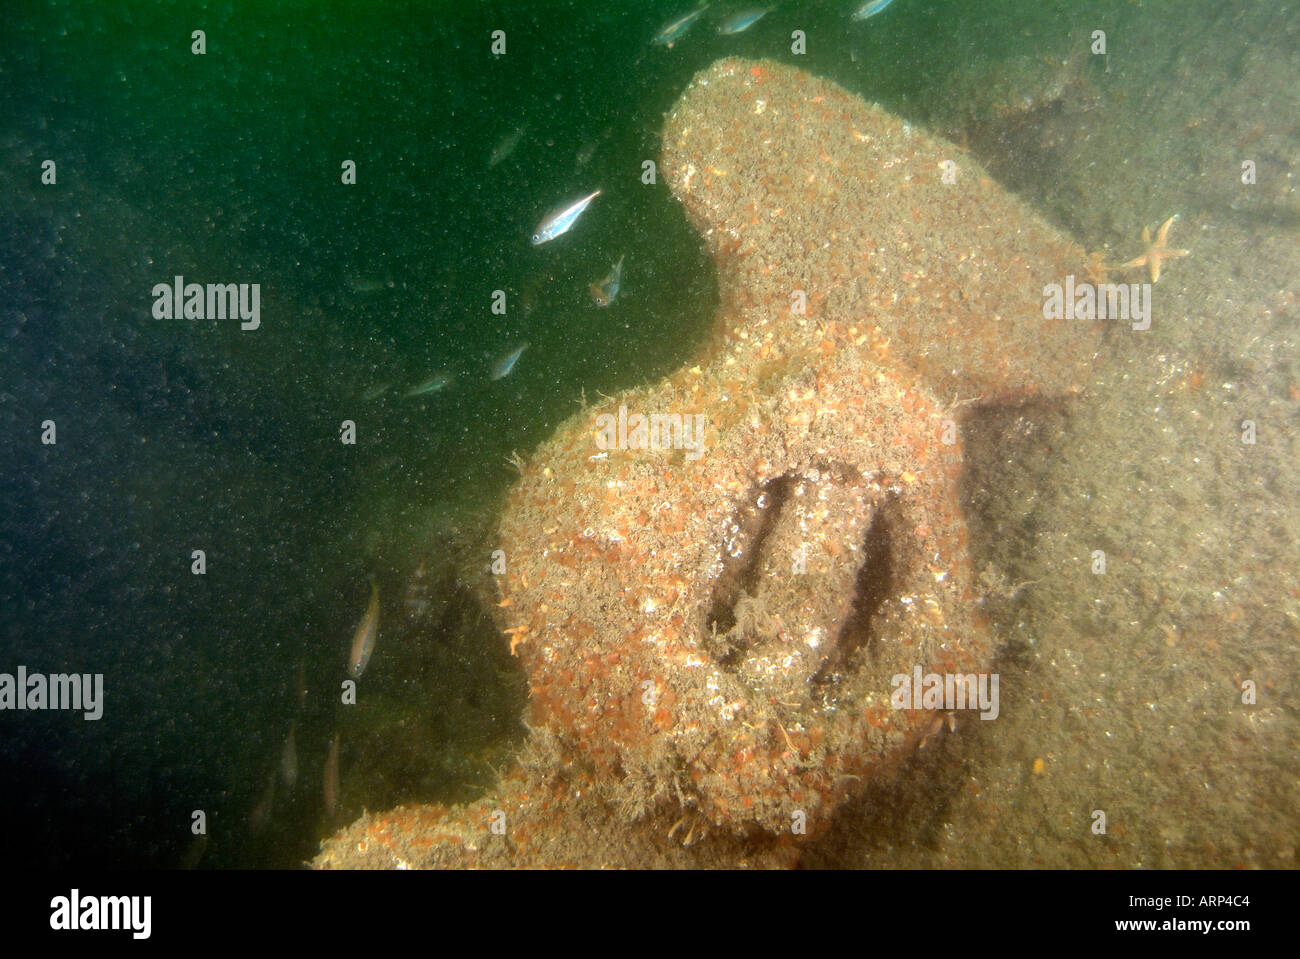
x,y
741,21
560,221
363,643
433,384
370,284
331,784
503,366
374,392
588,150
261,813
416,602
606,291
584,156
194,852
673,30
506,145
289,759
870,9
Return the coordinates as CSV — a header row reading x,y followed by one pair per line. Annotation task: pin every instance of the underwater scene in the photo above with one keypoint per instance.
x,y
665,434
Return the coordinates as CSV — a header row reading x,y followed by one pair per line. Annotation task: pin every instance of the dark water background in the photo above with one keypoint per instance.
x,y
177,435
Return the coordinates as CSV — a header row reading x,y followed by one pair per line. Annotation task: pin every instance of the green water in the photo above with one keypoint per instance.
x,y
177,435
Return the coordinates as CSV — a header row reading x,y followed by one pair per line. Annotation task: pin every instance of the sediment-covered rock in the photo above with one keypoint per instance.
x,y
711,601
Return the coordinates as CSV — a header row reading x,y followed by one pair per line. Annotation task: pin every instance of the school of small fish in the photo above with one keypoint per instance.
x,y
558,222
564,217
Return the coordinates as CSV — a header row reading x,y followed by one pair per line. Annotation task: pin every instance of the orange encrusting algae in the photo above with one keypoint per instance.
x,y
711,639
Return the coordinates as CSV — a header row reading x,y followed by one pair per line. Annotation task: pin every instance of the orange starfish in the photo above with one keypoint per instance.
x,y
1155,253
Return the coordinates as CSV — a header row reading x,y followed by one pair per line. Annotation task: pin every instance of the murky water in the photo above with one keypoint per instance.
x,y
184,510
